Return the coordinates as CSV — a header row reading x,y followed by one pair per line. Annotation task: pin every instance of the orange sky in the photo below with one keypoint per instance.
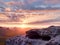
x,y
34,19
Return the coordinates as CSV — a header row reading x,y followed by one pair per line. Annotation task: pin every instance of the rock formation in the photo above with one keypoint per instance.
x,y
46,36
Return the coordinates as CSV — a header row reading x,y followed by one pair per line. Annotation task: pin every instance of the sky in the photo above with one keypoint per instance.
x,y
30,4
37,18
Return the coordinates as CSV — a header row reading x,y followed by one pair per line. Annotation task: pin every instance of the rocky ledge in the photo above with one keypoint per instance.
x,y
46,36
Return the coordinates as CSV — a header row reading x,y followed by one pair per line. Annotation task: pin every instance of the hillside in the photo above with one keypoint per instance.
x,y
46,36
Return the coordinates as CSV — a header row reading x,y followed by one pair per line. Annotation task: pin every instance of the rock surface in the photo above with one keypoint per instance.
x,y
46,36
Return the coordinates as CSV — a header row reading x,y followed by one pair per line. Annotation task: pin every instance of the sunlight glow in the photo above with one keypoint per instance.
x,y
24,26
24,23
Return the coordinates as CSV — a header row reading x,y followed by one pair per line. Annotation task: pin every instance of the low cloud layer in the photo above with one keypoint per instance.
x,y
46,18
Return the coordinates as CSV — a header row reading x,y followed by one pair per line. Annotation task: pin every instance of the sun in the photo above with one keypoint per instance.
x,y
24,26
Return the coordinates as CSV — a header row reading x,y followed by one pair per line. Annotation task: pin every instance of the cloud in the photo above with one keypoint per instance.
x,y
6,17
13,17
52,1
30,1
14,3
47,21
30,4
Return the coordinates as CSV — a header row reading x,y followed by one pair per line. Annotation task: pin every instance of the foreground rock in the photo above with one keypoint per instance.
x,y
46,36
